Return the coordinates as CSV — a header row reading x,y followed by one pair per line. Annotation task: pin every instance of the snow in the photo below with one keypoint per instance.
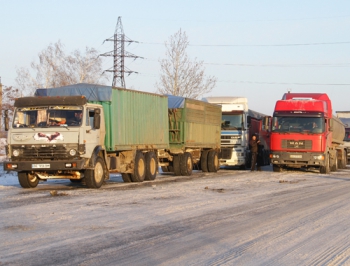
x,y
232,217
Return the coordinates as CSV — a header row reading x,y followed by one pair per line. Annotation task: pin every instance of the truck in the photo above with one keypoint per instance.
x,y
120,130
238,125
344,116
305,133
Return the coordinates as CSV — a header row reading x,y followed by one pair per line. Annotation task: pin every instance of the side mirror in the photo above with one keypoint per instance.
x,y
331,125
266,123
97,119
249,120
6,121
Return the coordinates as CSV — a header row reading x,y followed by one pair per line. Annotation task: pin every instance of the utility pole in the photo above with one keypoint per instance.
x,y
119,55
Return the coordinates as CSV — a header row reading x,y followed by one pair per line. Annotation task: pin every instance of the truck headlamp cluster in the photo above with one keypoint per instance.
x,y
274,156
15,153
72,152
319,157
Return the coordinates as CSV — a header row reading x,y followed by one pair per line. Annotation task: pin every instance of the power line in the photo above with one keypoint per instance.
x,y
257,45
335,65
266,82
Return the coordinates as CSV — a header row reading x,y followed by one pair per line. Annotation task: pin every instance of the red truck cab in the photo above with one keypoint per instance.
x,y
306,134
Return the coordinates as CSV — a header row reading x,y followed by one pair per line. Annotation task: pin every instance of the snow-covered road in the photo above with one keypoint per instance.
x,y
229,218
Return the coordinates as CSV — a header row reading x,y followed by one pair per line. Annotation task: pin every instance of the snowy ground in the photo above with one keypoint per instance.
x,y
232,217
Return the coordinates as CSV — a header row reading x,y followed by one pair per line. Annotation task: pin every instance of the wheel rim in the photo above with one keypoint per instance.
x,y
189,164
98,172
153,166
141,167
32,178
216,161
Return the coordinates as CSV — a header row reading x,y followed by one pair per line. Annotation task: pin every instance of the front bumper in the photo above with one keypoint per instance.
x,y
297,159
45,166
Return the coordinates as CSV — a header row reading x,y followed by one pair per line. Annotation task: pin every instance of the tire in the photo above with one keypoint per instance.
x,y
171,168
176,164
213,161
343,160
165,169
204,161
94,178
186,164
151,165
126,177
334,167
27,180
139,168
276,168
325,169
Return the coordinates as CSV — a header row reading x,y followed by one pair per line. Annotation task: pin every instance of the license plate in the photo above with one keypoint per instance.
x,y
296,156
40,165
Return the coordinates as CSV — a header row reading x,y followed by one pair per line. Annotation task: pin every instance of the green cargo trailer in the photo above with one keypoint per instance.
x,y
194,136
120,130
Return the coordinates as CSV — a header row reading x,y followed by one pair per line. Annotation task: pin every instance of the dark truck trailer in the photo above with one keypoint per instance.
x,y
83,132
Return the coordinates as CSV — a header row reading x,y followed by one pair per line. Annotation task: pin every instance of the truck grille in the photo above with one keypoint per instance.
x,y
225,153
296,144
38,152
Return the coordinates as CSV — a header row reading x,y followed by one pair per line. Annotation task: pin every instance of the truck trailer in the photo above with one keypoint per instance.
x,y
305,133
194,136
344,116
82,132
238,125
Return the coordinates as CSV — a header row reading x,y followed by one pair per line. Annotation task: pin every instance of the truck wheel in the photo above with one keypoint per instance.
x,y
176,164
126,177
165,169
276,168
139,168
204,161
151,165
334,167
342,161
27,180
94,178
186,164
325,169
213,161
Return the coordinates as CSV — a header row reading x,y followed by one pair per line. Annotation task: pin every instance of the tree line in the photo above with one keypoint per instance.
x,y
180,75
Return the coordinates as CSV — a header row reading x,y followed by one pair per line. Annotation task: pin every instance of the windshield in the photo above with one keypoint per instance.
x,y
346,121
347,136
48,116
232,121
298,124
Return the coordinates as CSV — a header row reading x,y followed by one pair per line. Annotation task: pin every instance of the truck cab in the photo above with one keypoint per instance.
x,y
53,138
234,130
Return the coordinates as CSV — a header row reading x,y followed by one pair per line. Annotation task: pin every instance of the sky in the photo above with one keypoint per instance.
x,y
256,49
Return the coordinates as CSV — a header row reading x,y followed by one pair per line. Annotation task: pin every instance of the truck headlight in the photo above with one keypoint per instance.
x,y
319,157
274,156
72,152
15,153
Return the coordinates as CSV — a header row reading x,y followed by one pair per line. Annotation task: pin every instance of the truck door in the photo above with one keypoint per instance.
x,y
92,135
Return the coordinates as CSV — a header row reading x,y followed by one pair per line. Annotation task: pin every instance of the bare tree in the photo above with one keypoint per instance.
x,y
8,95
180,75
56,69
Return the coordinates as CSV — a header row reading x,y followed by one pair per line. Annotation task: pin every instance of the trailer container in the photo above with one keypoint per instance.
x,y
194,136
